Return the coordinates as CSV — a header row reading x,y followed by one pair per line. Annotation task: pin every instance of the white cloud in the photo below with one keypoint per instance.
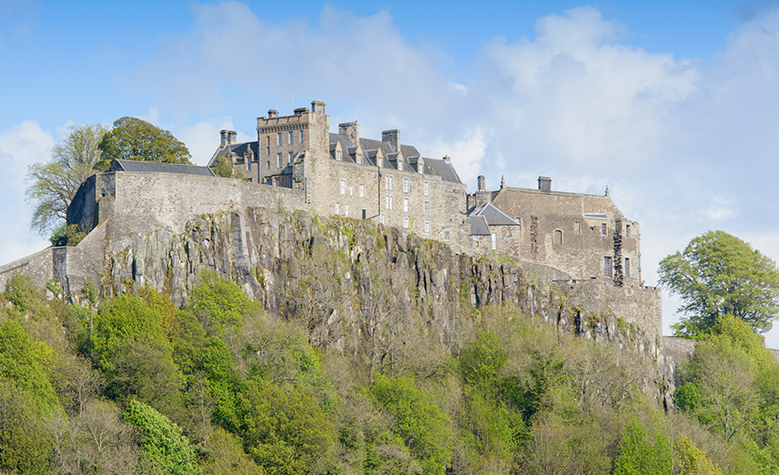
x,y
20,146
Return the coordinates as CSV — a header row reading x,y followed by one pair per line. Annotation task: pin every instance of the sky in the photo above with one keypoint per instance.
x,y
672,105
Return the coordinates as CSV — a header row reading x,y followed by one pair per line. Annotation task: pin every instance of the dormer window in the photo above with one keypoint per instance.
x,y
379,161
420,165
338,155
359,158
400,165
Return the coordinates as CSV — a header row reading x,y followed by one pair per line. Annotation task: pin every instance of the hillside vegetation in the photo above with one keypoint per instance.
x,y
135,385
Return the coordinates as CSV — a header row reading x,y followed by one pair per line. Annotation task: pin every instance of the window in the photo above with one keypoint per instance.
x,y
577,227
400,165
346,209
281,160
267,181
627,267
603,228
268,163
338,155
427,208
607,265
388,202
405,205
379,161
301,136
405,222
267,140
494,237
267,151
278,138
278,181
427,187
338,208
383,218
343,187
359,158
519,221
627,230
364,213
405,185
291,137
351,191
446,235
291,156
388,182
558,237
362,190
427,226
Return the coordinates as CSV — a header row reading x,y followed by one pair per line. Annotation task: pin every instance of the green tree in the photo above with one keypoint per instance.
x,y
52,185
638,456
136,139
720,274
163,447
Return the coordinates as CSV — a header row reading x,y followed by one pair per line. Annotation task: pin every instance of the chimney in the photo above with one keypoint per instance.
x,y
544,183
481,183
351,130
273,114
300,111
318,107
223,138
447,159
232,137
393,137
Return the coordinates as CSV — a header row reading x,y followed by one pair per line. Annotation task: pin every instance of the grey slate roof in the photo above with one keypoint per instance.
x,y
239,149
479,225
494,216
409,154
139,166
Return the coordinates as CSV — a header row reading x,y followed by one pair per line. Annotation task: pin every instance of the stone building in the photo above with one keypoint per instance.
x,y
348,175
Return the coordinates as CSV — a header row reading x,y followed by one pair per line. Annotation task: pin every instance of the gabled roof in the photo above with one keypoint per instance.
x,y
494,216
139,166
479,225
239,149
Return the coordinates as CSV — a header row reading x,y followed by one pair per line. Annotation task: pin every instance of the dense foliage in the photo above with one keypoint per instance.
x,y
719,274
136,139
220,387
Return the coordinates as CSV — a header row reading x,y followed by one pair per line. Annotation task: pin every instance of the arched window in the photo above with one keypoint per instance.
x,y
558,237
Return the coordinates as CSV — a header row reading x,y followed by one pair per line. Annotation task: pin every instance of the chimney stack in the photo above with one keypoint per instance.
x,y
273,114
223,137
393,137
318,107
232,137
481,183
351,130
544,184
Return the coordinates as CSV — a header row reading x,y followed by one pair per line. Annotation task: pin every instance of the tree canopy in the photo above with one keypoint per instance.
x,y
136,139
719,274
53,184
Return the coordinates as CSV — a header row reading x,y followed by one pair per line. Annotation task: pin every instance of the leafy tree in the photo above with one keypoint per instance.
x,y
23,362
638,456
690,460
224,168
163,447
25,444
720,274
52,185
136,139
422,425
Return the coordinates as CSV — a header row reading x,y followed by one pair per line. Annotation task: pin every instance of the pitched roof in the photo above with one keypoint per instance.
x,y
479,225
139,166
494,216
239,149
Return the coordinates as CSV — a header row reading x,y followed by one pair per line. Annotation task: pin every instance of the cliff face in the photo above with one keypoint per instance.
x,y
344,278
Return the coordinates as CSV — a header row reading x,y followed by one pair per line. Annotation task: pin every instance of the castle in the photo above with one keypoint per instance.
x,y
578,241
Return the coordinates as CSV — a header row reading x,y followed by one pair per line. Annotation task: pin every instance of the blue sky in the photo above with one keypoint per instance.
x,y
673,105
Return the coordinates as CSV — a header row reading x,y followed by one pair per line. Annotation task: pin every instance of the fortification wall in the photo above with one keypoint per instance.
x,y
39,267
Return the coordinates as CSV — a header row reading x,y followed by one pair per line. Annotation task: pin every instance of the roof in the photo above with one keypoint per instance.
x,y
139,166
494,216
479,225
408,155
239,149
